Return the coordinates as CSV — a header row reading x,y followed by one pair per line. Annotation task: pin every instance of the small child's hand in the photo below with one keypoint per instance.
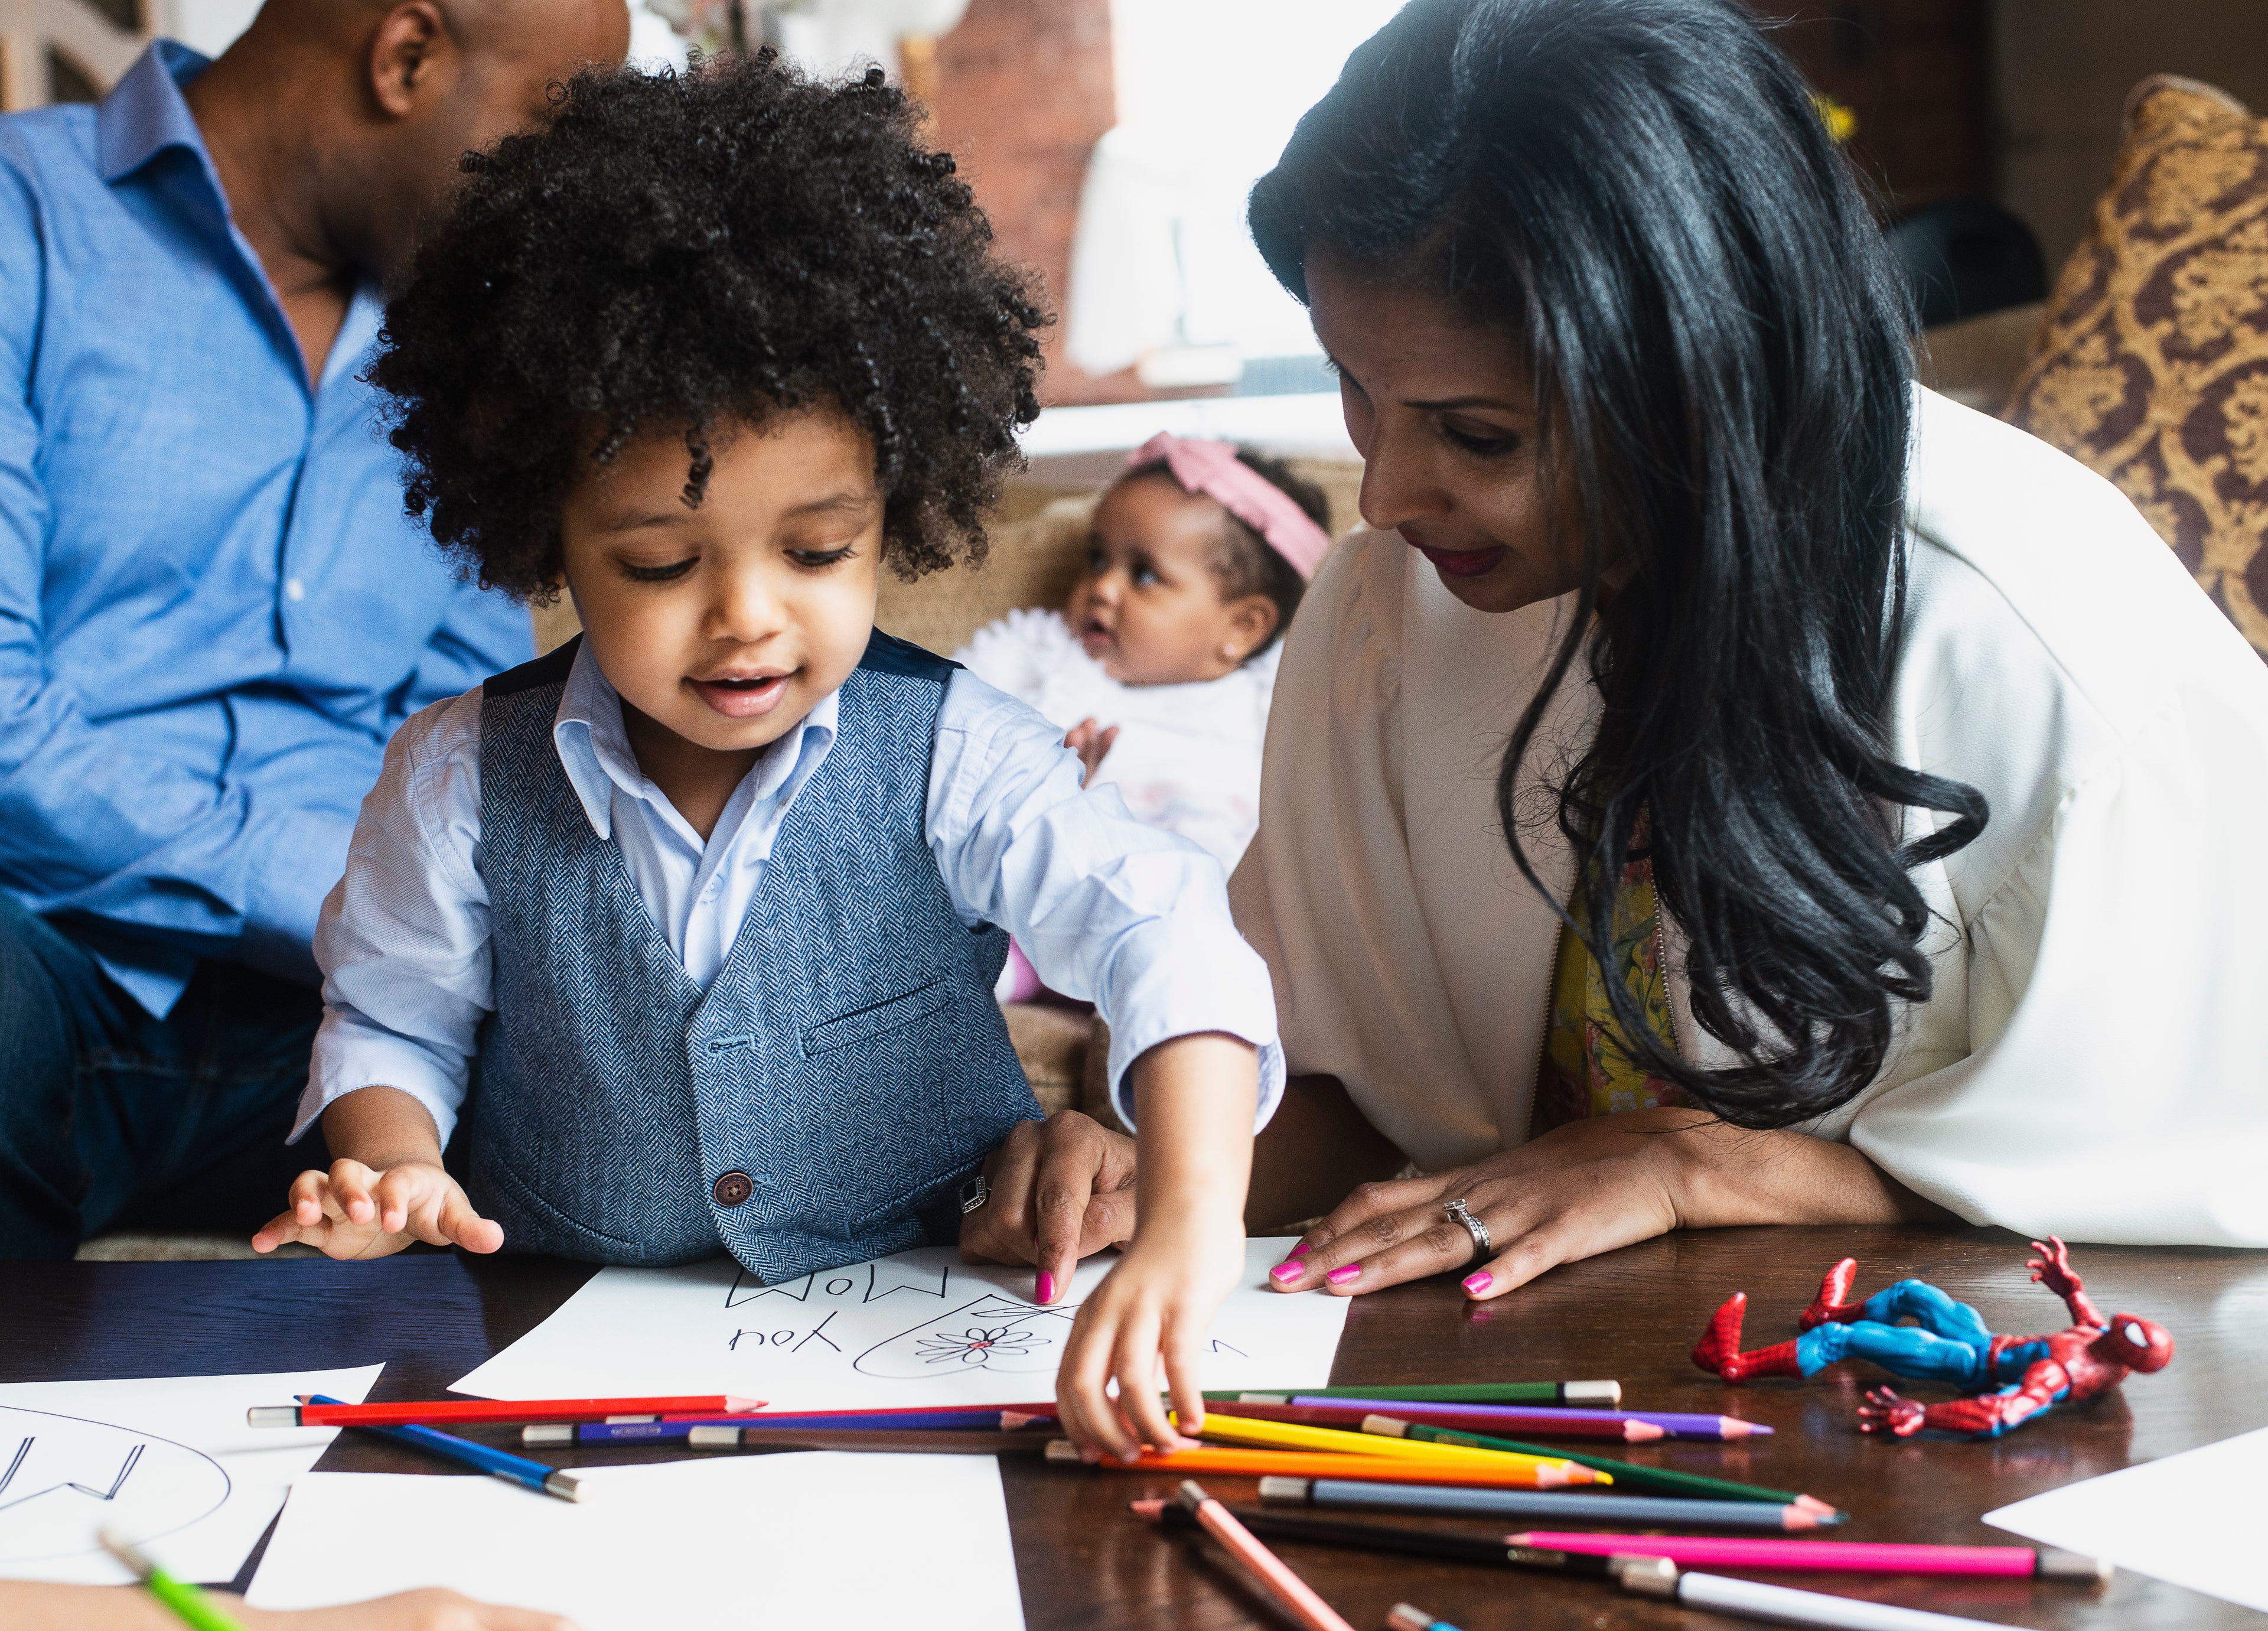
x,y
1091,742
353,1210
1156,1304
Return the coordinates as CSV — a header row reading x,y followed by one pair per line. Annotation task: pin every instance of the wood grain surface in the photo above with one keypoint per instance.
x,y
1632,1315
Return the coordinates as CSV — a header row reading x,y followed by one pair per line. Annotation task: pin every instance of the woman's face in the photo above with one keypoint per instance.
x,y
1441,411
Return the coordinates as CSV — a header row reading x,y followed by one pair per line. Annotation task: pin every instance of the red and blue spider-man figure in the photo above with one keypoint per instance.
x,y
1949,1343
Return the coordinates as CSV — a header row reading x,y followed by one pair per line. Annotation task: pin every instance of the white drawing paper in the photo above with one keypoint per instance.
x,y
800,1539
168,1461
2192,1519
918,1328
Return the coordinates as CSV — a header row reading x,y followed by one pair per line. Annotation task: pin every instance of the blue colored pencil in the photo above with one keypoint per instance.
x,y
994,1421
1537,1418
497,1463
1405,1617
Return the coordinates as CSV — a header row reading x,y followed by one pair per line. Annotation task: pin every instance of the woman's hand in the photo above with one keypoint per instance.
x,y
1060,1190
1584,1188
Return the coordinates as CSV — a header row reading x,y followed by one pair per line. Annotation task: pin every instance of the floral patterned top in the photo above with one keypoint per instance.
x,y
1586,1070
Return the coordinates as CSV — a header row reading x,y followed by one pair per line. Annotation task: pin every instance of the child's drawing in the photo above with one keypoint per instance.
x,y
61,1478
991,1334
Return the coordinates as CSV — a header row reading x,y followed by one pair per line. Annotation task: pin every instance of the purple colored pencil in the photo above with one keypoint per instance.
x,y
993,1421
1676,1423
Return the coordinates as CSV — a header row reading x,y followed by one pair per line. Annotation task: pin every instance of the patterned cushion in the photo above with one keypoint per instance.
x,y
2153,365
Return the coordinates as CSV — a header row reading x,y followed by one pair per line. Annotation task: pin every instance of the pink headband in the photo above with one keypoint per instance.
x,y
1213,470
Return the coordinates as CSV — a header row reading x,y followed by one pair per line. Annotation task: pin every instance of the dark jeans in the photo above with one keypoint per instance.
x,y
111,1118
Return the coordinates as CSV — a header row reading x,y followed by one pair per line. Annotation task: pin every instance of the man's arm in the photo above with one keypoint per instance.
x,y
84,827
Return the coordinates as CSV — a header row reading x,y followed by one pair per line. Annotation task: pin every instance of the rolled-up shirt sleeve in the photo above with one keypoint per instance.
x,y
403,942
1131,917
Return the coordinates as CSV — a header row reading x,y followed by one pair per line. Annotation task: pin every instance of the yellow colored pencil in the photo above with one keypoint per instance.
x,y
1308,1464
1333,1441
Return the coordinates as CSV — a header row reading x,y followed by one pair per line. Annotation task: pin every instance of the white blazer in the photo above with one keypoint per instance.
x,y
2094,1059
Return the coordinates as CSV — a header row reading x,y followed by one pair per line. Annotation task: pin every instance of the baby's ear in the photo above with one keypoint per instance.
x,y
1253,619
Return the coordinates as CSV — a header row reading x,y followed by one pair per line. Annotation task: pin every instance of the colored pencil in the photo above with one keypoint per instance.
x,y
1430,1543
1508,1418
1408,1617
1580,1505
313,1410
1659,1578
1329,1441
891,1421
1308,1464
1289,1593
1350,1413
1835,1556
1660,1480
496,1463
883,1440
192,1607
1605,1393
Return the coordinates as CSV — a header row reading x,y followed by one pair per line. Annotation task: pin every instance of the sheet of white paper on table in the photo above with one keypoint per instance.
x,y
918,1328
167,1460
815,1538
2192,1519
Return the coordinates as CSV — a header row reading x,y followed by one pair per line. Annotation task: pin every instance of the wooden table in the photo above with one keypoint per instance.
x,y
1632,1315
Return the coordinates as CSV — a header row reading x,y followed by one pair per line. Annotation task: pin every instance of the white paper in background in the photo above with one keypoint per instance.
x,y
918,1328
803,1540
2192,1519
167,1460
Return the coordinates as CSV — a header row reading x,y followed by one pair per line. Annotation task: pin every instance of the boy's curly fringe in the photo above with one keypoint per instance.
x,y
694,252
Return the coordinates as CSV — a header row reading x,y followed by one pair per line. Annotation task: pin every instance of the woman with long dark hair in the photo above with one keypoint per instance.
x,y
1727,784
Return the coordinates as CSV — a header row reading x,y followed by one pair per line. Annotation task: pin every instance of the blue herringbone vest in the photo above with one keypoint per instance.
x,y
820,1101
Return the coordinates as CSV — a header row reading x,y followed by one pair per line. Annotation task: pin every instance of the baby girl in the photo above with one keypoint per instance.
x,y
1161,666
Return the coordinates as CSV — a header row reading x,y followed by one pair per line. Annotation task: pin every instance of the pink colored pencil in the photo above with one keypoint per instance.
x,y
1046,1407
1269,1573
1835,1556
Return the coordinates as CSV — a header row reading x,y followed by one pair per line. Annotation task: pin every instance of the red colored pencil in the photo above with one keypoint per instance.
x,y
426,1412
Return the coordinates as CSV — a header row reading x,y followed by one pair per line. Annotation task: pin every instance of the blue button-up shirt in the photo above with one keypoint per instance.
x,y
213,611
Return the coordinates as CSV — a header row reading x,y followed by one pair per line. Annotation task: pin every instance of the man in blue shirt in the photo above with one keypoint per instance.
x,y
213,611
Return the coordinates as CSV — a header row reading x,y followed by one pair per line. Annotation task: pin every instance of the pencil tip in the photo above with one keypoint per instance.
x,y
1641,1432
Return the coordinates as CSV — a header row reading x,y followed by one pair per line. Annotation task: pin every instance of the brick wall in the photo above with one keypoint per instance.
x,y
1022,90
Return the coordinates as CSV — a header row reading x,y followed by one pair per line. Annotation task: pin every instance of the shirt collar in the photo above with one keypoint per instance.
x,y
595,751
145,113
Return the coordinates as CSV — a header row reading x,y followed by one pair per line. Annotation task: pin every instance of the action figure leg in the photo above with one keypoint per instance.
x,y
1833,1301
1930,1308
1905,1350
1718,1350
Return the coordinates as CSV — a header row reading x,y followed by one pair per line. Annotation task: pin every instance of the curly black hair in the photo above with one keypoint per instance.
x,y
691,253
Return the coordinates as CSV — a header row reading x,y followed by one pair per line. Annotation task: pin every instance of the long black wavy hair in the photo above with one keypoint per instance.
x,y
1641,192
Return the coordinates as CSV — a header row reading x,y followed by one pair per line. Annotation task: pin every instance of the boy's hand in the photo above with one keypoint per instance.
x,y
431,1608
1062,1189
1091,742
353,1211
1155,1305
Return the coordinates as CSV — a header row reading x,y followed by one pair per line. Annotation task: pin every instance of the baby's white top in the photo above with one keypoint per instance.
x,y
2092,1061
1188,757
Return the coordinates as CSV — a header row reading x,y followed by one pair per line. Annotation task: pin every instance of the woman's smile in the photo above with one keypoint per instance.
x,y
1463,562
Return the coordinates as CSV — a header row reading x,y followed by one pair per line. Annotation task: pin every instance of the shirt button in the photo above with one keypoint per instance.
x,y
294,590
732,1189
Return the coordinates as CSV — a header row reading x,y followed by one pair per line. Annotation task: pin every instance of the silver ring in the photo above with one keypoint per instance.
x,y
973,1194
1461,1213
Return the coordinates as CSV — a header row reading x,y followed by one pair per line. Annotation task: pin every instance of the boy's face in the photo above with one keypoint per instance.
x,y
726,623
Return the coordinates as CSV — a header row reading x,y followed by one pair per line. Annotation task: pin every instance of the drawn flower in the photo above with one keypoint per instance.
x,y
978,1343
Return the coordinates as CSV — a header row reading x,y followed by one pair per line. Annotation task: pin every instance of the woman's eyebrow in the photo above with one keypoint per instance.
x,y
1446,404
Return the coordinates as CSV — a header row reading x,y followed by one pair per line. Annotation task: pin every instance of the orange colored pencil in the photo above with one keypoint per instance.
x,y
1313,1464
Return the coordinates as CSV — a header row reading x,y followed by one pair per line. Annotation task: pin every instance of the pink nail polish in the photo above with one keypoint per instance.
x,y
1343,1273
1284,1273
1480,1282
1046,1288
1299,1251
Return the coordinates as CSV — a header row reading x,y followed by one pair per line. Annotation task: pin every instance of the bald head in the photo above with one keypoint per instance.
x,y
355,112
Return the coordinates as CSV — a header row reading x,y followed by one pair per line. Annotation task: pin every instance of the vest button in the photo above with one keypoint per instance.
x,y
732,1189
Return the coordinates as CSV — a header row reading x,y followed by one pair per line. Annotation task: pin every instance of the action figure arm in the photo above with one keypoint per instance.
x,y
1987,1416
2052,1269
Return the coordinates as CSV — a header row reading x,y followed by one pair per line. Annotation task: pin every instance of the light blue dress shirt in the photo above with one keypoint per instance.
x,y
1129,917
213,611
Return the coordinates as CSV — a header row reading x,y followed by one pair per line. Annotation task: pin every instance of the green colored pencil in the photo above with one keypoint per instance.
x,y
1603,1395
1628,1478
192,1607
